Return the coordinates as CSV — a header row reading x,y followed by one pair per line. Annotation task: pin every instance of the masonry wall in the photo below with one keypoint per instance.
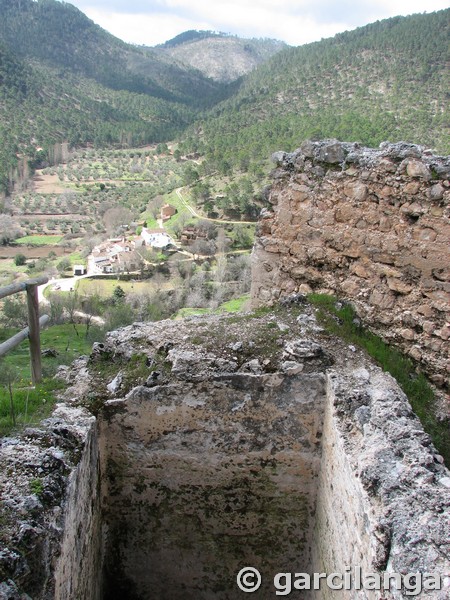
x,y
50,530
78,572
382,492
344,519
259,442
203,480
371,226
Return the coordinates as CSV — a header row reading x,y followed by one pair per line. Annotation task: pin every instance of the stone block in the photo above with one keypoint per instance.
x,y
425,234
332,153
346,213
412,187
416,168
360,271
398,286
351,287
407,334
436,192
356,191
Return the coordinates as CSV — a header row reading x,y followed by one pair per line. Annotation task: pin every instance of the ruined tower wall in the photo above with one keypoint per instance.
x,y
78,572
371,226
377,500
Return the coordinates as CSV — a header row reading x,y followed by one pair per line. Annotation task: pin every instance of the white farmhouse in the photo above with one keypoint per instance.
x,y
157,238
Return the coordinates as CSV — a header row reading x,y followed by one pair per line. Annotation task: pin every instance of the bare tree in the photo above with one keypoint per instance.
x,y
56,308
222,241
202,248
220,273
71,305
154,206
91,306
181,223
9,229
209,228
14,312
117,218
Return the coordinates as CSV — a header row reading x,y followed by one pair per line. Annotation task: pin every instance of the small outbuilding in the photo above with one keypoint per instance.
x,y
167,211
79,270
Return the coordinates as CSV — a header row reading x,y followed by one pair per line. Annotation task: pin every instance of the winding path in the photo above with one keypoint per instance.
x,y
62,285
195,214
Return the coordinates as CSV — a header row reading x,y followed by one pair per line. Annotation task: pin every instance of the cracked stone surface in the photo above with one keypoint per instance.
x,y
183,449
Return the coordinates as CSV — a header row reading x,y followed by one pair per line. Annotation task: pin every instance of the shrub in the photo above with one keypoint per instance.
x,y
20,260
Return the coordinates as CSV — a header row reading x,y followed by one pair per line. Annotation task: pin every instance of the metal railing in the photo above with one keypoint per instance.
x,y
32,332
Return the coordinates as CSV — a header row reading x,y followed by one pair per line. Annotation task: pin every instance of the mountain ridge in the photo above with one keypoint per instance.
x,y
61,36
220,56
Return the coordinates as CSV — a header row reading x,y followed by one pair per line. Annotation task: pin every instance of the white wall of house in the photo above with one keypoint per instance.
x,y
156,239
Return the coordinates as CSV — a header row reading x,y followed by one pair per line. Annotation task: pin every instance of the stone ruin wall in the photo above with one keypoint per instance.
x,y
370,226
303,458
51,542
78,572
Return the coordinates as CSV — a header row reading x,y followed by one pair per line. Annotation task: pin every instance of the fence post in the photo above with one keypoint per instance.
x,y
34,337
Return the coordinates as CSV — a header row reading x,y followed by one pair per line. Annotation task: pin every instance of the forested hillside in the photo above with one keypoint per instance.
x,y
386,81
59,35
63,78
41,106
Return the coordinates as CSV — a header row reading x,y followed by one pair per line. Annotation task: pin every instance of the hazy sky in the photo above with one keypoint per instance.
x,y
297,22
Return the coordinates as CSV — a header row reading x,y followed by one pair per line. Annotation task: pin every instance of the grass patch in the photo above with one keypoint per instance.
x,y
235,305
32,403
8,269
341,319
231,306
39,240
183,214
151,222
76,258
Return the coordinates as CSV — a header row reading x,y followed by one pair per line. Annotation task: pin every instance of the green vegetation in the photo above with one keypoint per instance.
x,y
105,287
101,182
340,319
223,57
36,486
74,100
60,35
190,36
85,87
235,305
39,240
20,260
32,403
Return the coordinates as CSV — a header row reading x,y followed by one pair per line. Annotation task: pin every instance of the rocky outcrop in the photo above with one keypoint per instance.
x,y
371,226
220,443
51,547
